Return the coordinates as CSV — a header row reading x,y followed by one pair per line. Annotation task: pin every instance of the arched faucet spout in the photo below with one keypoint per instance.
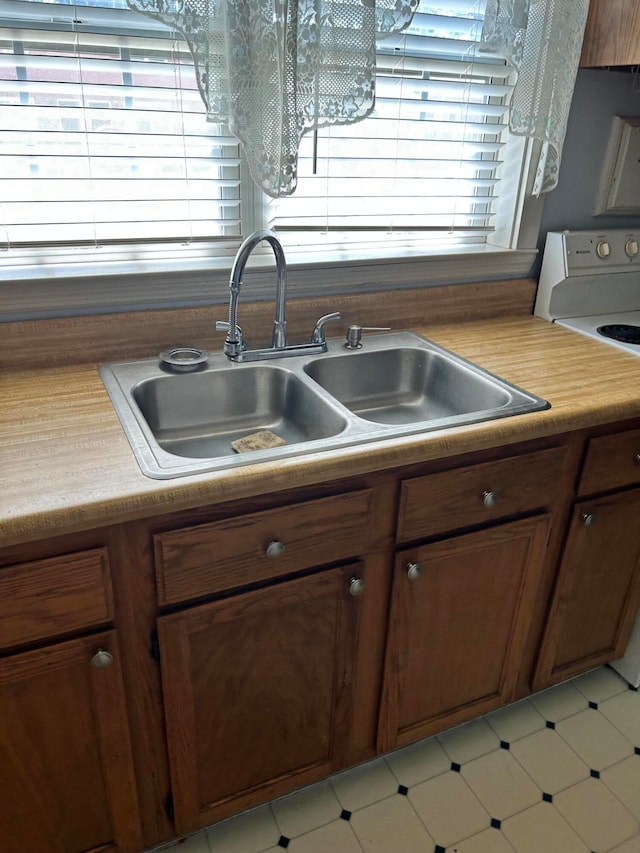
x,y
234,345
279,339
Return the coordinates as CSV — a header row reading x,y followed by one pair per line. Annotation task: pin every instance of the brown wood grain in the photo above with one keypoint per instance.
x,y
598,589
438,503
284,657
456,633
612,33
65,764
228,554
118,337
48,598
67,466
612,462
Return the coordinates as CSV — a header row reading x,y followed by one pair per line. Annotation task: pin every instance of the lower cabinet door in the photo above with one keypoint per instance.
x,y
257,692
66,771
598,589
457,627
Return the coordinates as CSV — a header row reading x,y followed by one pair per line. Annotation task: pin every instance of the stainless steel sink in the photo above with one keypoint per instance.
x,y
199,414
398,384
406,385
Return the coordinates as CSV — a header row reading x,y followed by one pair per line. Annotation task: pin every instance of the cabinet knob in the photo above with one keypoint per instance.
x,y
637,458
414,570
356,587
274,550
102,659
489,499
588,519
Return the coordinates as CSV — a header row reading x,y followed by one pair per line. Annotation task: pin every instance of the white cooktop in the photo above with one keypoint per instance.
x,y
589,325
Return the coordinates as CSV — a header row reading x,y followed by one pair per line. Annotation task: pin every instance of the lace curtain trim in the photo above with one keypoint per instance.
x,y
272,70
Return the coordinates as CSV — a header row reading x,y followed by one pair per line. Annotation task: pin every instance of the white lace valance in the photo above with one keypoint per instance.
x,y
272,70
543,40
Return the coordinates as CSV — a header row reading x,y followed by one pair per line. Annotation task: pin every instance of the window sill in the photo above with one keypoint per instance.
x,y
79,285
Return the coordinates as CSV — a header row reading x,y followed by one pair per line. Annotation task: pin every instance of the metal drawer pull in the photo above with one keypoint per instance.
x,y
414,570
274,550
356,587
489,499
588,519
102,659
637,458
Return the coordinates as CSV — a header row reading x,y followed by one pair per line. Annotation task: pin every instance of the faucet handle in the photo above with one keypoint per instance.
x,y
221,326
317,336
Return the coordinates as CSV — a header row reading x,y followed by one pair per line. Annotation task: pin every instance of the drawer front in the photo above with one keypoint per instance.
x,y
47,598
451,500
208,558
612,462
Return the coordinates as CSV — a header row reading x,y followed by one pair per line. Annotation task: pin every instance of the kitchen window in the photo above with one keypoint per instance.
x,y
109,164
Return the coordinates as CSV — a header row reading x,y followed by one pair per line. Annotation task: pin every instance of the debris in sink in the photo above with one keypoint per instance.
x,y
260,440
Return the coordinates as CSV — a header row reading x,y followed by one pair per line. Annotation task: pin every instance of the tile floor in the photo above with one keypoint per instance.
x,y
558,772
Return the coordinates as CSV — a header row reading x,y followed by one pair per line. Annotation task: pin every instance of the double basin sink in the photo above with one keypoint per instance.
x,y
398,384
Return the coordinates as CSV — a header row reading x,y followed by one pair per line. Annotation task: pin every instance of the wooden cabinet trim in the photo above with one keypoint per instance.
x,y
48,598
227,554
574,571
109,716
453,499
611,462
175,631
534,533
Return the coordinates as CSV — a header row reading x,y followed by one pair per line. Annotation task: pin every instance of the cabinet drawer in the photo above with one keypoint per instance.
x,y
437,503
208,558
612,461
47,598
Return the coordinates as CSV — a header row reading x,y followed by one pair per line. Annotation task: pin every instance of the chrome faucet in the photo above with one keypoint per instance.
x,y
234,346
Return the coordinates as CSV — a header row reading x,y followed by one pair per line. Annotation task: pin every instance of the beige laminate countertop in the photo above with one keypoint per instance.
x,y
67,466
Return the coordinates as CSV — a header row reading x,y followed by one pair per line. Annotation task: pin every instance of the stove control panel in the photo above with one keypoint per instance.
x,y
597,250
589,272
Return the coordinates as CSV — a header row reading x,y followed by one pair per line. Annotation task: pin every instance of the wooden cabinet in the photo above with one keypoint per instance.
x,y
597,592
257,691
66,773
245,663
258,683
458,623
612,34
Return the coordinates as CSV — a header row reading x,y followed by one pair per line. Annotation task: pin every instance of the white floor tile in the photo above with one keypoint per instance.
x,y
541,829
464,743
597,741
600,684
489,841
559,702
516,721
365,785
623,780
500,783
306,810
336,837
630,846
448,808
196,843
550,762
391,825
624,712
418,762
251,832
596,815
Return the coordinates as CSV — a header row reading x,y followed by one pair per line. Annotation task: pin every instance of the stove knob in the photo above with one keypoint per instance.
x,y
603,249
631,248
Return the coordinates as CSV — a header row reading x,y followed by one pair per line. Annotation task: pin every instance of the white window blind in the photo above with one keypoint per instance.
x,y
428,159
104,137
